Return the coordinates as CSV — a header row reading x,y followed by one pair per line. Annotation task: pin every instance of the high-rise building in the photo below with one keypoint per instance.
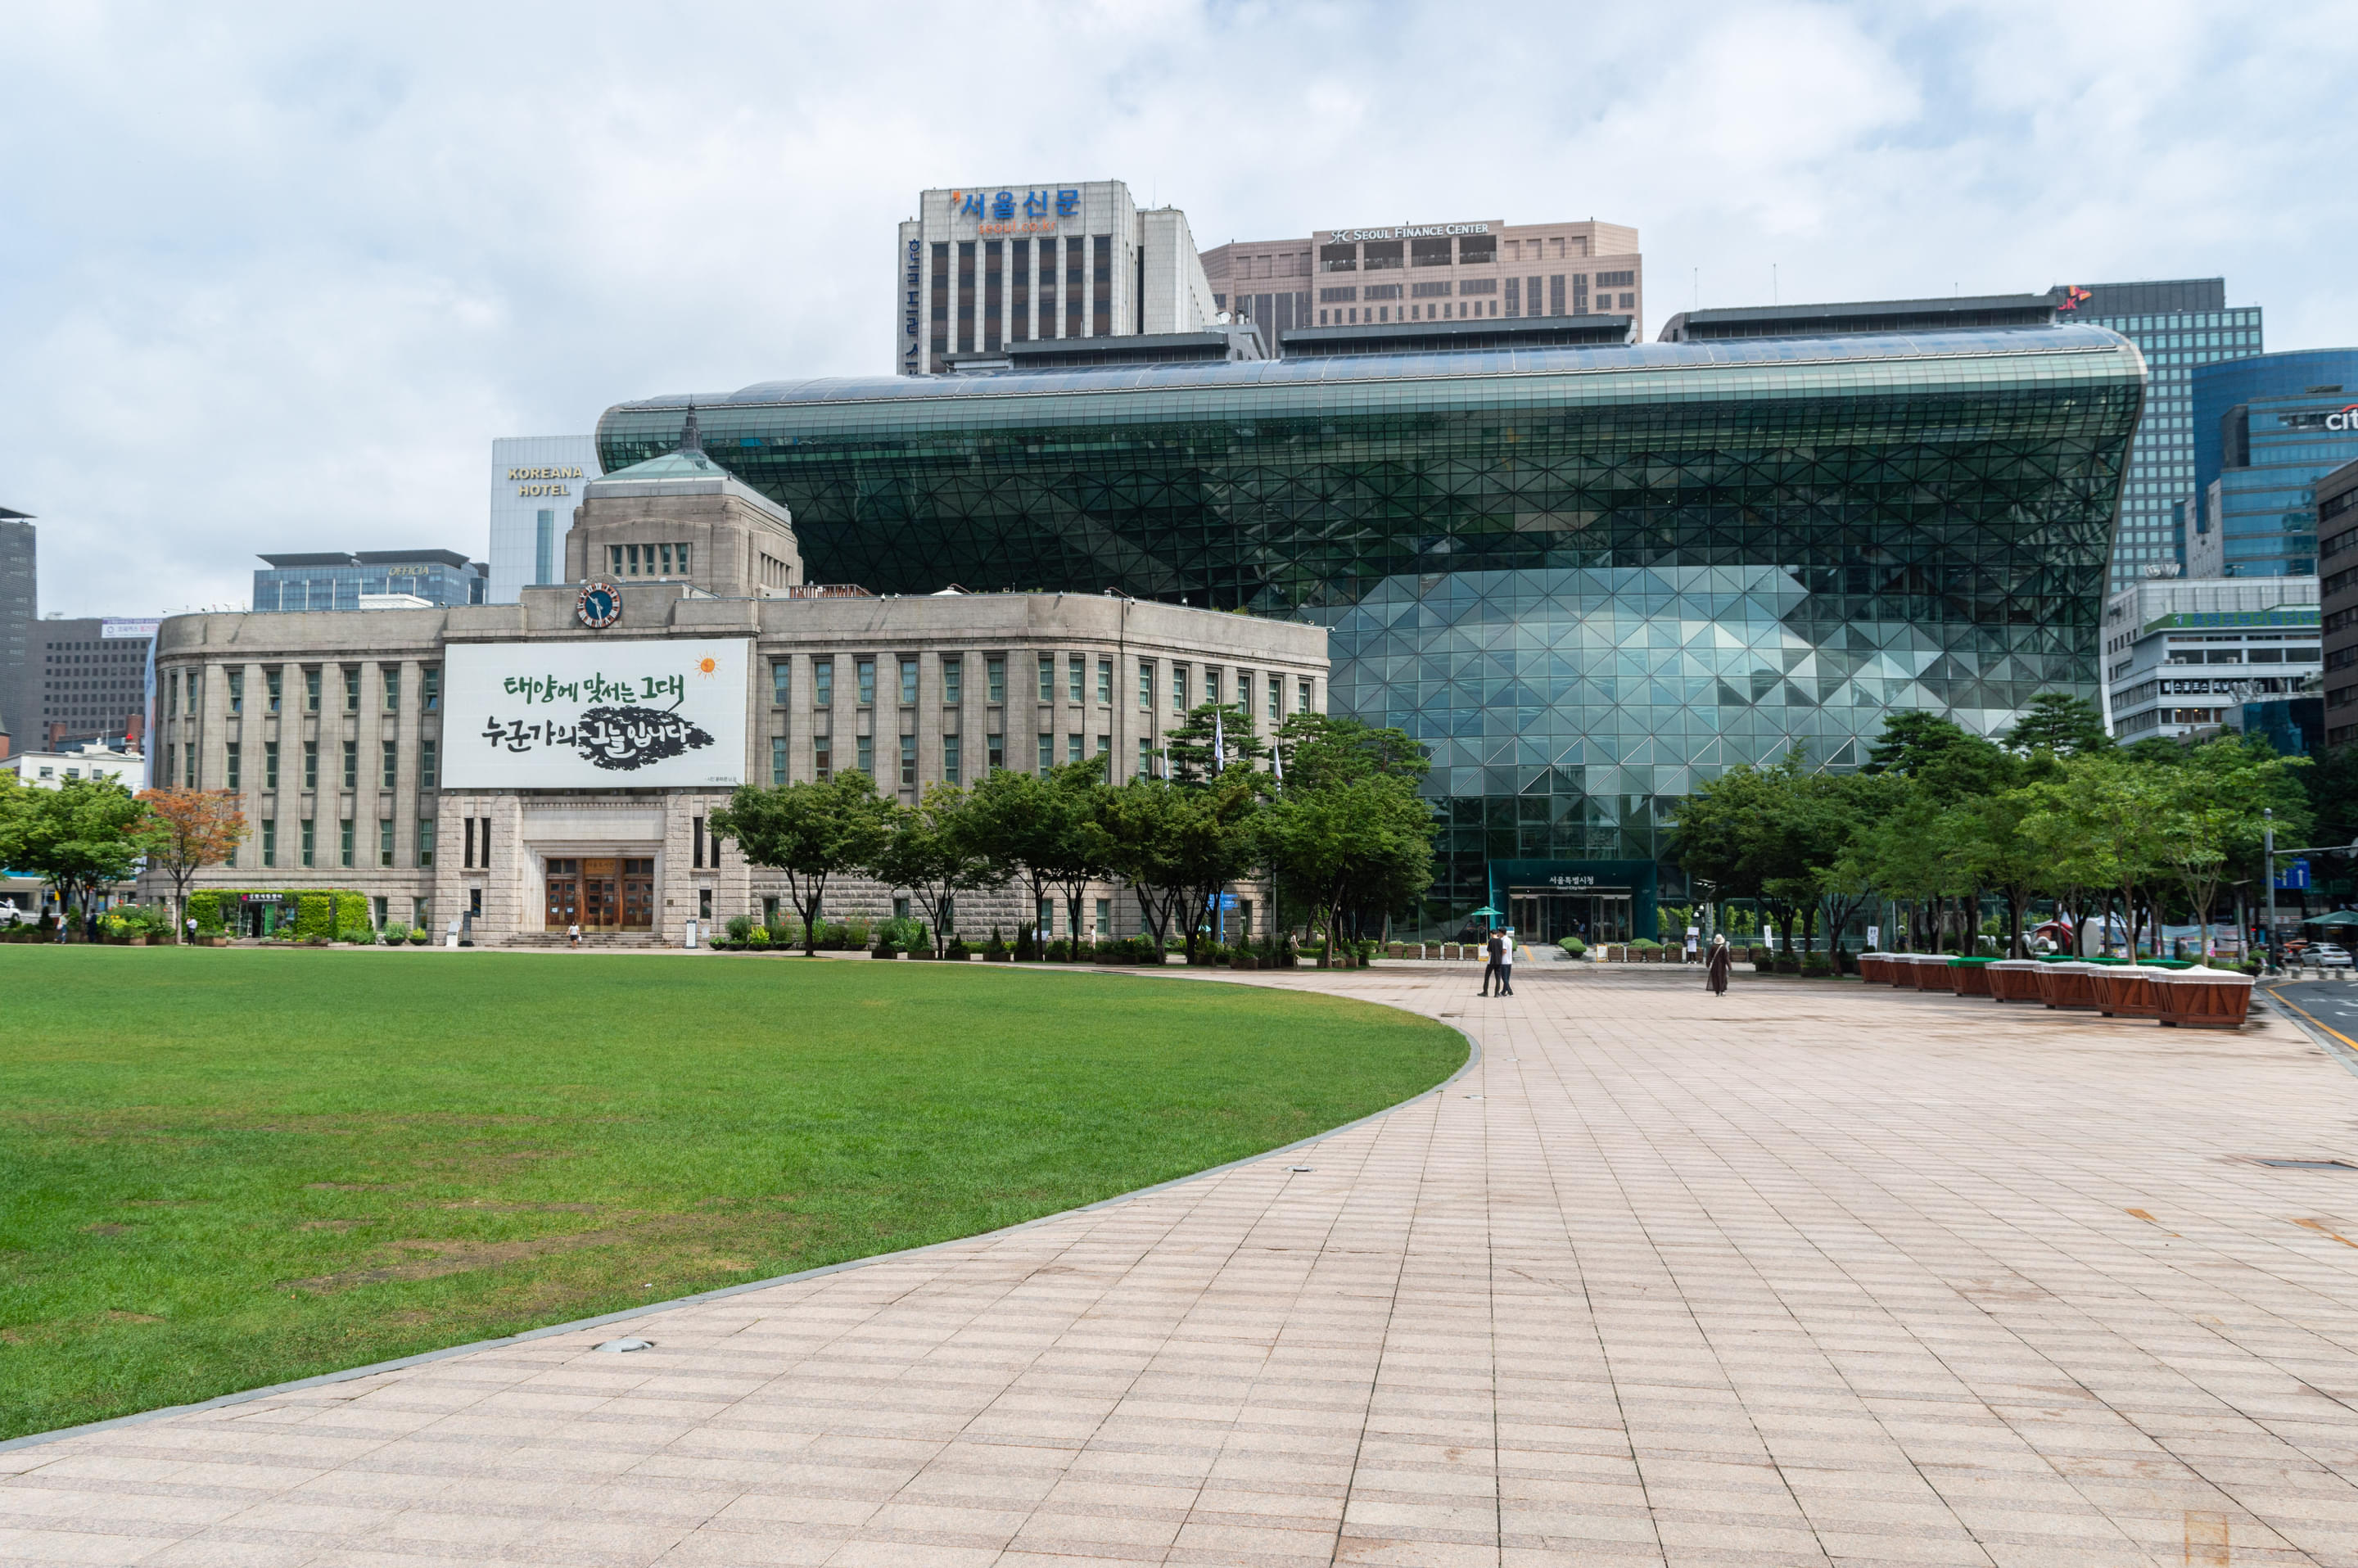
x,y
19,610
535,484
2337,528
2265,429
983,266
341,580
2181,324
92,680
1481,268
1587,578
2183,657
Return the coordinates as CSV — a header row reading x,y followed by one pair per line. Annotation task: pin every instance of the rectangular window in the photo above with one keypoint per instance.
x,y
1073,270
469,862
1019,264
352,688
782,681
1048,749
430,774
1047,677
1076,678
994,679
864,752
392,760
344,842
352,765
269,842
1073,749
994,275
391,675
965,296
425,840
1555,295
272,683
237,691
1212,686
823,683
1145,684
311,764
1244,695
429,689
1178,688
311,691
908,762
908,683
695,835
950,772
866,671
195,681
231,755
384,841
172,693
1105,682
1105,917
308,847
1145,757
613,560
953,680
1101,287
1301,696
188,765
270,765
822,758
777,761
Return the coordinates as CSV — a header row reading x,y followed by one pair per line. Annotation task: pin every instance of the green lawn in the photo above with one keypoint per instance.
x,y
223,1169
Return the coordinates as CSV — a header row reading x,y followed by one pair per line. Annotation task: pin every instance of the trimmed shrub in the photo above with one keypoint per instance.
x,y
1027,944
205,908
740,928
958,951
996,950
1573,948
396,933
1817,966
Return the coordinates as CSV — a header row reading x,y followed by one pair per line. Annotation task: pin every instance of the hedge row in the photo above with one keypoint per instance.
x,y
336,914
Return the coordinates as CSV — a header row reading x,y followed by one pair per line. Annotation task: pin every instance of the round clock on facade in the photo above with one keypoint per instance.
x,y
599,607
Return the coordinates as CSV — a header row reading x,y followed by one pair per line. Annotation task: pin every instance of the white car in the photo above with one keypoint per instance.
x,y
11,915
2326,956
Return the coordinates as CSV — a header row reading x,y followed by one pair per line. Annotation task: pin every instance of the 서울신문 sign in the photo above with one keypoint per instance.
x,y
586,716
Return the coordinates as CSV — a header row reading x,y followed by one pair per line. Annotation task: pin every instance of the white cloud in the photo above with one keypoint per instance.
x,y
275,276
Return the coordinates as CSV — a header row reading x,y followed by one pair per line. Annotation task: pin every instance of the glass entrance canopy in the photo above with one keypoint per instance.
x,y
1586,577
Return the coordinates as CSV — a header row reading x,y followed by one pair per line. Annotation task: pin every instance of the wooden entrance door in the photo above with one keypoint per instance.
x,y
639,895
601,903
564,880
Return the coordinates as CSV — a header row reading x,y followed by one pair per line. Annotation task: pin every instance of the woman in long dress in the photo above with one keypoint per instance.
x,y
1716,968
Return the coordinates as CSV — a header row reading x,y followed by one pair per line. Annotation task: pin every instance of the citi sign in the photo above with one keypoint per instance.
x,y
2347,419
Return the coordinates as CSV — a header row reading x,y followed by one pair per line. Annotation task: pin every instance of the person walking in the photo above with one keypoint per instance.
x,y
573,935
1490,969
1506,961
1716,966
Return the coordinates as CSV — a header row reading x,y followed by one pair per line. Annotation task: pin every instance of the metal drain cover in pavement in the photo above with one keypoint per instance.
x,y
2309,1165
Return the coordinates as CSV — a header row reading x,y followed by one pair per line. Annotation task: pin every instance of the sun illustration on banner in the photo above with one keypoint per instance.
x,y
708,666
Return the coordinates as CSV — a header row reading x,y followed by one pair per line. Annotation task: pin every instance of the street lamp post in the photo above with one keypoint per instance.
x,y
2269,847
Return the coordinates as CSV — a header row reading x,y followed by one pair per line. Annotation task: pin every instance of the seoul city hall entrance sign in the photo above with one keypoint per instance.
x,y
596,715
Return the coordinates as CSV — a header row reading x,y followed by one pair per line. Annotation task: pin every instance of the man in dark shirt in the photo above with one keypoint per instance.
x,y
1494,968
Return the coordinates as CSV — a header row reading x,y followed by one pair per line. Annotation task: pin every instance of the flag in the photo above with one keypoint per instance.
x,y
1220,743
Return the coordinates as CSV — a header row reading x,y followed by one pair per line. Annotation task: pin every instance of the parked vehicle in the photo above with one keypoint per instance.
x,y
2326,956
11,915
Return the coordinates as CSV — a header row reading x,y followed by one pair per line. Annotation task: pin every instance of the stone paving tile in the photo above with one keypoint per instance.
x,y
1804,1275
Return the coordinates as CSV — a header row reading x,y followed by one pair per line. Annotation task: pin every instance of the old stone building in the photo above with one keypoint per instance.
x,y
523,767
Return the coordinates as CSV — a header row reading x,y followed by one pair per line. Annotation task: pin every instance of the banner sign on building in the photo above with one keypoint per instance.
x,y
595,715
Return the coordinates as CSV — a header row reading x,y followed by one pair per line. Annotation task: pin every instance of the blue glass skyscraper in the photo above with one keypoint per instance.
x,y
2266,429
2181,324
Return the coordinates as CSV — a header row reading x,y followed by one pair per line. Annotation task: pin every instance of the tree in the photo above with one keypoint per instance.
x,y
1364,843
83,835
193,828
811,832
1316,752
1222,727
933,852
2216,795
1037,827
1179,846
2100,821
2059,722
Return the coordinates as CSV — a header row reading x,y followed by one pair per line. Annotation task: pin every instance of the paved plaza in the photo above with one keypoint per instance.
x,y
1804,1274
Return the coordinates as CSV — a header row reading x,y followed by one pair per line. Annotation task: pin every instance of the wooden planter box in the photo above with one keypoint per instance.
x,y
2205,998
1969,980
1874,968
1933,974
2014,979
2128,991
2069,986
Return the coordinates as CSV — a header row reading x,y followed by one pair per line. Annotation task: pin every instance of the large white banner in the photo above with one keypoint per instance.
x,y
595,715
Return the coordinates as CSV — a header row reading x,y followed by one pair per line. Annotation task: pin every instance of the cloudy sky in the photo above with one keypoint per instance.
x,y
272,278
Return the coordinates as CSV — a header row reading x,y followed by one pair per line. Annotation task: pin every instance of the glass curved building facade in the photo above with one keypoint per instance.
x,y
1586,577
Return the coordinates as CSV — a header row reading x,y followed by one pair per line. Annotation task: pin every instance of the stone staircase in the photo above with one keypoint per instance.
x,y
591,941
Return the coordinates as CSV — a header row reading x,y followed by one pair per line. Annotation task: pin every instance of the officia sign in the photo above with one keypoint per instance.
x,y
595,715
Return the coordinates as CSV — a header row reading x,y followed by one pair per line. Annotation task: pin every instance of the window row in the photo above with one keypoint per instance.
x,y
667,559
1073,678
183,691
387,770
307,850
